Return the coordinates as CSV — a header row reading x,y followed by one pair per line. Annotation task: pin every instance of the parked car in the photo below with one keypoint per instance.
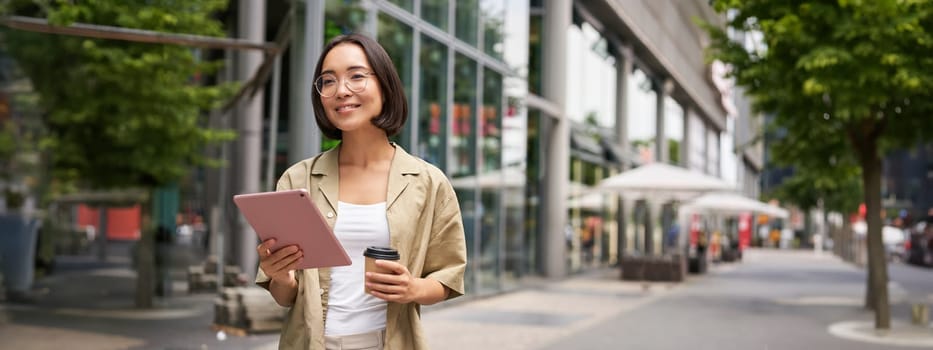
x,y
919,248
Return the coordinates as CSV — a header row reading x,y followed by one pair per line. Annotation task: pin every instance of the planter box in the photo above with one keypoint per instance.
x,y
667,268
18,251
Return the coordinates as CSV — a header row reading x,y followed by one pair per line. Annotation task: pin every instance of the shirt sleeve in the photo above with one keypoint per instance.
x,y
445,259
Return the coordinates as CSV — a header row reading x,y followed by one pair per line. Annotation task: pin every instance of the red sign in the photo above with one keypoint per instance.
x,y
745,230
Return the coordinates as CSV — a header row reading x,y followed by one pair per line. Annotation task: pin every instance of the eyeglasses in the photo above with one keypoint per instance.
x,y
355,80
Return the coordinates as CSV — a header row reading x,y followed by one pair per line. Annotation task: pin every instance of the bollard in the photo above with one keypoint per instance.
x,y
920,314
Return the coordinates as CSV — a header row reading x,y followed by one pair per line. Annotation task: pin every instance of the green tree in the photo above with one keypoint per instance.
x,y
120,114
847,79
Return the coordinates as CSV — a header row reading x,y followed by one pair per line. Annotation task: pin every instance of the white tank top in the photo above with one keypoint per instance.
x,y
349,309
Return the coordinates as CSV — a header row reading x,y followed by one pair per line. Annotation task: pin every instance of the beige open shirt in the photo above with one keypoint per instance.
x,y
424,226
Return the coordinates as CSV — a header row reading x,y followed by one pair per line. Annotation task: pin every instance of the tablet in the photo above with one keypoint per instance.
x,y
291,218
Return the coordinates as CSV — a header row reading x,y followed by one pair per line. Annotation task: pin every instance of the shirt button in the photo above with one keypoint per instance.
x,y
330,214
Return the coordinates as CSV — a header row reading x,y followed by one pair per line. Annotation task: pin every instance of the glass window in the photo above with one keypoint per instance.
x,y
342,17
514,161
712,149
467,21
435,12
405,4
516,246
467,199
642,111
493,14
463,139
673,129
535,62
397,38
490,130
591,83
490,121
515,38
489,242
433,104
534,176
697,148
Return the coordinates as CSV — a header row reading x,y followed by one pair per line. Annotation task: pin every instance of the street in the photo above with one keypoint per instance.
x,y
771,300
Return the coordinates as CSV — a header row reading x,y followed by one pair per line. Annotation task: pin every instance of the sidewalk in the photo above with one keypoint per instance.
x,y
89,306
534,317
585,311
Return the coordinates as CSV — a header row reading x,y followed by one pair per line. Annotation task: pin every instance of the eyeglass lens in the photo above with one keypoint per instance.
x,y
327,84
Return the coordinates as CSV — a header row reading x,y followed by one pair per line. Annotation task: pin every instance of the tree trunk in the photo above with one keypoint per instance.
x,y
877,264
145,258
807,236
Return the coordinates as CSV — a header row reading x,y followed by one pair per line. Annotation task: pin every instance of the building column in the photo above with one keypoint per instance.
x,y
252,27
660,138
557,18
304,138
623,72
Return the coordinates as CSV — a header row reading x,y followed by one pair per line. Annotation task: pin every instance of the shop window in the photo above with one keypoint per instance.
x,y
435,12
396,38
432,120
467,21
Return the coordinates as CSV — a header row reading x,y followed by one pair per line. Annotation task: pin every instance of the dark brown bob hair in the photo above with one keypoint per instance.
x,y
394,105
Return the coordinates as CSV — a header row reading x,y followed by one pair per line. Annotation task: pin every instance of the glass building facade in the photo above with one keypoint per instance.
x,y
474,73
467,115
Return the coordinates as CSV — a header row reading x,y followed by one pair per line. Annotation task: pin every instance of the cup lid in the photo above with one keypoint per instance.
x,y
381,253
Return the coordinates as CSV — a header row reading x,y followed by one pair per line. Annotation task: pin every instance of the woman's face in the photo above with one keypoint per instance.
x,y
350,108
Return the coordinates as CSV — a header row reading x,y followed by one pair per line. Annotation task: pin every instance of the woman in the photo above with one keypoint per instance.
x,y
372,193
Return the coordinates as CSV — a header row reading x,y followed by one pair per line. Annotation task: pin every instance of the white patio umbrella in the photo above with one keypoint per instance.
x,y
592,201
662,181
508,177
732,203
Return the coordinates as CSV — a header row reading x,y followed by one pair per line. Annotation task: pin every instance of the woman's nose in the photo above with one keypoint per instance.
x,y
343,90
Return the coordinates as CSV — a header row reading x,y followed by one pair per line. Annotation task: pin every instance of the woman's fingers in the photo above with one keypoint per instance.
x,y
284,252
284,262
265,248
279,261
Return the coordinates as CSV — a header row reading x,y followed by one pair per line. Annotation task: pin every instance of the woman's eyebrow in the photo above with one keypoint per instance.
x,y
331,71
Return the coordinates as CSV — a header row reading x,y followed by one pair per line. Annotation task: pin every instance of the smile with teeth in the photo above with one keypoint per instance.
x,y
347,108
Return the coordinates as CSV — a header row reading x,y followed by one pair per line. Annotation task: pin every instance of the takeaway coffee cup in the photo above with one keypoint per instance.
x,y
378,253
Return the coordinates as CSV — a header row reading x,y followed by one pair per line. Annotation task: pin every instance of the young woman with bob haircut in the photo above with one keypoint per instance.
x,y
372,193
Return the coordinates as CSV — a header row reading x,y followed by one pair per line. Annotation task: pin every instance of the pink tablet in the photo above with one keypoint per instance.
x,y
291,218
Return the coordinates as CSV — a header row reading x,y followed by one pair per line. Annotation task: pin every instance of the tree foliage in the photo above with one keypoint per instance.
x,y
827,67
840,193
847,80
118,113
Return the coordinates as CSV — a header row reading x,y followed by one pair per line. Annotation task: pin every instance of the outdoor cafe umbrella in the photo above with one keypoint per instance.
x,y
662,181
508,177
732,203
